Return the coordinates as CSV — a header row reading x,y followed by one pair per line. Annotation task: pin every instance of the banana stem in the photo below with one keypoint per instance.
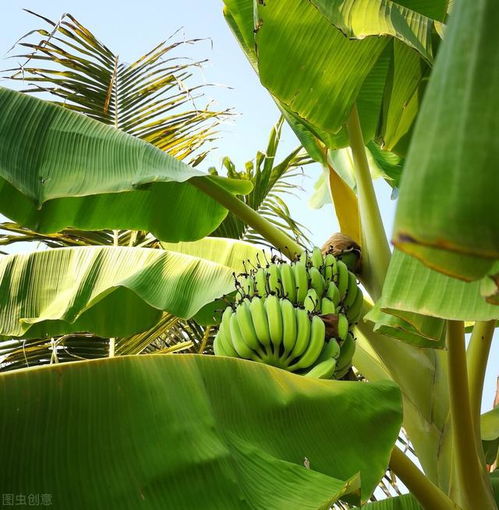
x,y
472,490
478,355
375,249
276,237
204,341
426,492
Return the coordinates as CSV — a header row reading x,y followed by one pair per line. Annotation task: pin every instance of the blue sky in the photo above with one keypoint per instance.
x,y
131,28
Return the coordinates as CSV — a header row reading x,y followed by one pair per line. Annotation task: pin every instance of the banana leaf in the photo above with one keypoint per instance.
x,y
301,53
108,291
188,431
405,502
425,292
61,169
447,213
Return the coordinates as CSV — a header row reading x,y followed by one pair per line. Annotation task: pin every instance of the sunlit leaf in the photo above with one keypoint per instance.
x,y
183,431
447,212
109,291
60,169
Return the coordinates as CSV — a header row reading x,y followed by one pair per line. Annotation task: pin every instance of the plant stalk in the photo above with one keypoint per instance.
x,y
477,356
375,249
426,492
472,490
276,237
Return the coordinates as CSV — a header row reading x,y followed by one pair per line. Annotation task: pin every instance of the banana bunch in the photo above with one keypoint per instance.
x,y
296,316
321,284
274,331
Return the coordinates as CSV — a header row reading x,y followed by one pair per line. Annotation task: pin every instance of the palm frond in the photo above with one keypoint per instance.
x,y
151,98
271,182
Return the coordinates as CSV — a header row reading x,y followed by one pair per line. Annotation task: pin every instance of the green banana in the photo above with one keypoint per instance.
x,y
275,279
354,312
245,322
301,280
352,290
238,341
333,293
311,301
317,281
316,258
260,321
342,326
303,325
342,279
222,345
323,370
274,319
329,268
331,349
288,282
261,281
315,345
327,306
288,325
344,362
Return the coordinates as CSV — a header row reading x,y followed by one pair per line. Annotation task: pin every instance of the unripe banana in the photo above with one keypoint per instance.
x,y
261,281
333,293
275,279
315,345
247,286
260,321
331,349
317,281
323,370
354,312
344,362
303,325
352,290
222,345
311,301
245,322
288,325
327,306
329,268
342,278
288,282
238,341
316,258
342,326
274,318
301,280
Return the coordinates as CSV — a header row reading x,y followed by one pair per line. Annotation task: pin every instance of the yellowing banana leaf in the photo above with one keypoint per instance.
x,y
188,432
426,292
448,212
109,291
61,169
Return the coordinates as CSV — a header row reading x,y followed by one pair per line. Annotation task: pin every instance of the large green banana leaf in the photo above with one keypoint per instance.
x,y
420,297
301,55
188,432
61,169
109,291
448,214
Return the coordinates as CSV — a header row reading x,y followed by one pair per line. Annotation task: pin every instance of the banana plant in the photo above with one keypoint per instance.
x,y
241,434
